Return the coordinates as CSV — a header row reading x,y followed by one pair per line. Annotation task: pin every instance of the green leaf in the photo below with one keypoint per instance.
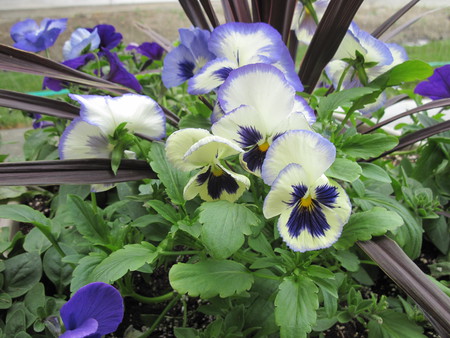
x,y
437,230
194,121
370,170
368,145
345,170
319,271
348,259
35,298
82,275
130,258
295,306
409,71
224,227
394,324
5,301
22,273
210,278
363,225
328,104
23,213
261,244
165,210
174,180
11,192
35,241
58,272
88,223
15,324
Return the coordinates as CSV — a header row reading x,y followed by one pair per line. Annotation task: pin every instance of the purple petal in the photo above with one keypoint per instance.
x,y
109,38
196,40
179,66
98,301
437,86
87,329
152,50
19,29
118,73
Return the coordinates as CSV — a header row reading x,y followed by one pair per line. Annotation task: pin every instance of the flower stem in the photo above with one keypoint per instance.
x,y
160,317
151,300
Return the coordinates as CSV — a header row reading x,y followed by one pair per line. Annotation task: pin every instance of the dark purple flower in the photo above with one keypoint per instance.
x,y
76,63
93,311
28,36
37,124
118,73
152,50
109,38
437,86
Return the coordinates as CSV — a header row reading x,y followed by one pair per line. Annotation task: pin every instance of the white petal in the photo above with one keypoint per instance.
x,y
83,140
209,150
279,195
312,151
211,76
178,144
260,86
295,121
142,114
300,105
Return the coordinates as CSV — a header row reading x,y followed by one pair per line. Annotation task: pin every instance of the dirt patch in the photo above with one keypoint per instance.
x,y
168,17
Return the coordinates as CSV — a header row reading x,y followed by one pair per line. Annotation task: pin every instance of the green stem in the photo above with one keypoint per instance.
x,y
151,300
179,253
94,202
368,262
47,233
183,301
344,121
160,317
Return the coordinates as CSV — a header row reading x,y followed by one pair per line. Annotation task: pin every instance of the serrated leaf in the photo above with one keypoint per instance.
x,y
345,170
370,170
328,104
21,273
224,227
82,275
174,180
130,258
349,260
394,325
295,306
319,271
368,145
210,278
363,225
165,210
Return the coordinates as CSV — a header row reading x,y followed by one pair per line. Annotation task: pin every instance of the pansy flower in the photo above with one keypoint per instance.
x,y
93,311
109,38
81,42
259,105
237,44
30,36
184,61
88,135
190,149
313,209
303,22
152,50
118,73
360,59
437,86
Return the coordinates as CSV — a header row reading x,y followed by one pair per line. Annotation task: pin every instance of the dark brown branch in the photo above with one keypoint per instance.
x,y
393,19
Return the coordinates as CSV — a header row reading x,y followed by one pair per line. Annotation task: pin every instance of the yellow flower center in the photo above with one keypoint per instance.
x,y
306,202
216,171
263,147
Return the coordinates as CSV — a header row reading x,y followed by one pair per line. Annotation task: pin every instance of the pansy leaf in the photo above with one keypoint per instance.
x,y
82,273
130,258
363,225
367,146
295,306
370,170
58,272
21,273
174,180
210,278
224,227
394,324
345,170
408,71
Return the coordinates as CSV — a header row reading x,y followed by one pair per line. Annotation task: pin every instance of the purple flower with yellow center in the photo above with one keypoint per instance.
x,y
259,105
437,86
184,61
303,22
190,149
93,311
313,209
360,59
237,44
31,37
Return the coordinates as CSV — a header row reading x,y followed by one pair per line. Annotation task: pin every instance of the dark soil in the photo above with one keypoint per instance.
x,y
352,329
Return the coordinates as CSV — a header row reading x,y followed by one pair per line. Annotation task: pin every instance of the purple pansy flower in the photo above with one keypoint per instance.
x,y
152,50
30,37
184,61
437,86
109,38
118,73
93,311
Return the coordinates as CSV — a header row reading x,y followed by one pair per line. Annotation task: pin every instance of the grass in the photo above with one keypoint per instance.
x,y
435,51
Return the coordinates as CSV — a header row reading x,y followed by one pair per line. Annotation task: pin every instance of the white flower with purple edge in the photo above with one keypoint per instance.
x,y
190,149
259,106
81,42
237,44
313,209
303,22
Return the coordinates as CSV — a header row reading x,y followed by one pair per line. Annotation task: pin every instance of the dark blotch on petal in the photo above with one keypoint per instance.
x,y
218,184
223,73
326,195
254,158
249,136
186,69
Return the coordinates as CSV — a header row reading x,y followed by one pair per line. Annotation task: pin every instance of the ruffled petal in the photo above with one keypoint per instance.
x,y
211,76
301,106
80,40
179,66
437,86
19,29
86,329
311,150
260,86
209,150
179,143
83,140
